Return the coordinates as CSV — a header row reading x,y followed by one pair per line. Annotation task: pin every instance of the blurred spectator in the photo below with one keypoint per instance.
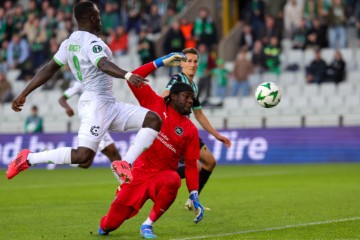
x,y
119,42
357,19
292,16
52,49
271,30
174,42
18,18
205,65
32,9
204,29
242,70
6,94
133,8
299,36
258,57
18,57
272,55
145,47
186,28
66,7
219,73
36,36
153,20
3,56
257,16
312,10
316,36
337,22
335,72
274,10
34,123
50,22
3,26
315,72
247,37
110,19
169,17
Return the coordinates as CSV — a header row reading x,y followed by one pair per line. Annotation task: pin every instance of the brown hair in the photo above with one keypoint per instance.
x,y
190,50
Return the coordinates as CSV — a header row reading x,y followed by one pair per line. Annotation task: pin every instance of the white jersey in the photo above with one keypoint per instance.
x,y
76,88
82,51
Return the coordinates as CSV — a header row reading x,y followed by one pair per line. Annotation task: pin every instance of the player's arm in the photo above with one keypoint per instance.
x,y
63,102
205,124
41,77
191,156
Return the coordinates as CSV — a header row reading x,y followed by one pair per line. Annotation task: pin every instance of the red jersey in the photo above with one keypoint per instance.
x,y
178,136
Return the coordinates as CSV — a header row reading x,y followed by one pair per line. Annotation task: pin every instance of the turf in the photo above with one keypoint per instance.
x,y
247,202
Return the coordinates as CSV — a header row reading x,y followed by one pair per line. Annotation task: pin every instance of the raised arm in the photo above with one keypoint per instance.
x,y
41,77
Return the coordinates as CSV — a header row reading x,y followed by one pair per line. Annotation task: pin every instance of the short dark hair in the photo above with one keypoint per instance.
x,y
83,9
190,50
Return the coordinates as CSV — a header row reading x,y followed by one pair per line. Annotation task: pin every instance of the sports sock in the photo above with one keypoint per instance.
x,y
143,140
203,178
56,156
181,172
148,222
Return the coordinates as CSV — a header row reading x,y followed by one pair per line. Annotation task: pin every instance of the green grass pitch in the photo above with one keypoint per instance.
x,y
313,201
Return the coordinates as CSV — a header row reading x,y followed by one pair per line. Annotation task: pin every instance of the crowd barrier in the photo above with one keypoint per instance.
x,y
250,146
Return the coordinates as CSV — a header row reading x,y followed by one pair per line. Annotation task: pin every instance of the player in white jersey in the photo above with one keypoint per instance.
x,y
107,144
89,59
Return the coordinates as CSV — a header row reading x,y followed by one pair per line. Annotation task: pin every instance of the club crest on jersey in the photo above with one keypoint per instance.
x,y
97,48
94,130
179,131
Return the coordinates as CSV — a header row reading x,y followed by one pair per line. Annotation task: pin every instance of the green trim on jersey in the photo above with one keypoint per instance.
x,y
58,62
66,96
97,60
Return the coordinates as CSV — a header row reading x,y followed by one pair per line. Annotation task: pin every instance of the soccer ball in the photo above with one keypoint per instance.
x,y
268,95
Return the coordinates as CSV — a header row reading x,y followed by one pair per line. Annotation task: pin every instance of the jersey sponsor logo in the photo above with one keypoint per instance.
x,y
94,130
179,131
97,49
74,48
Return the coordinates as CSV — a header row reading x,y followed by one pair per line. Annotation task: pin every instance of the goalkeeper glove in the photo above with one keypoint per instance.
x,y
197,207
170,60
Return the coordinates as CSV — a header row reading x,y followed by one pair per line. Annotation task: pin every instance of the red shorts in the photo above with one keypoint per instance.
x,y
144,186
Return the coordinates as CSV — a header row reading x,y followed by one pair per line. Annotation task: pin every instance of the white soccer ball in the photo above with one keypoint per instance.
x,y
268,95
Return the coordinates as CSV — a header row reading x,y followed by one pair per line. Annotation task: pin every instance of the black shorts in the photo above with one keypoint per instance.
x,y
201,143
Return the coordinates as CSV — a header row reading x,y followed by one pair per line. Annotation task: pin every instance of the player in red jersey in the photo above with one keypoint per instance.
x,y
155,170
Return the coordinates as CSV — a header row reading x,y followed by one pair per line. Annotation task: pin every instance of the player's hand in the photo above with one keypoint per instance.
x,y
137,80
224,140
197,207
171,60
18,103
69,112
123,169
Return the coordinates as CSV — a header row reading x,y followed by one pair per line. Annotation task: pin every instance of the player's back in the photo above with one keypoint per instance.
x,y
82,51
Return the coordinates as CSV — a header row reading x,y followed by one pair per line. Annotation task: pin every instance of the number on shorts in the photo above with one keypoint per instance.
x,y
77,67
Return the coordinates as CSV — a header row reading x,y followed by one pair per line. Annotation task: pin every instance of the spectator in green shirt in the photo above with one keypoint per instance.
x,y
34,123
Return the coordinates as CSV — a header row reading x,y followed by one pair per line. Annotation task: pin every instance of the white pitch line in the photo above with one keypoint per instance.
x,y
273,228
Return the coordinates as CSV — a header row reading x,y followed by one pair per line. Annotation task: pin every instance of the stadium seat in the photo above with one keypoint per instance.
x,y
283,121
322,120
231,102
327,89
328,54
308,56
295,56
351,119
244,122
346,88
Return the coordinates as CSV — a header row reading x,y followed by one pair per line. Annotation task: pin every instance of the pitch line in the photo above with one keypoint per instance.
x,y
273,228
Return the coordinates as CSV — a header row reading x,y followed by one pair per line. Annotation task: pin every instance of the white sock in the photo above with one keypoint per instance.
x,y
143,140
56,156
148,222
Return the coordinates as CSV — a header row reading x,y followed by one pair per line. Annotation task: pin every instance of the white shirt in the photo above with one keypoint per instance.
x,y
82,51
76,88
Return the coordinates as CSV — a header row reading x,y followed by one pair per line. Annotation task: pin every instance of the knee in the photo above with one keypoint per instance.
x,y
82,155
152,120
208,161
173,180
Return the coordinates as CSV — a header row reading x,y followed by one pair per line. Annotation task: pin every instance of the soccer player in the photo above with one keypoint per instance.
x,y
207,159
154,172
107,144
89,59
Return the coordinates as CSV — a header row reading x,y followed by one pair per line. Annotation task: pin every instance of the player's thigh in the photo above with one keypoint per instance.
x,y
207,159
128,117
95,119
168,179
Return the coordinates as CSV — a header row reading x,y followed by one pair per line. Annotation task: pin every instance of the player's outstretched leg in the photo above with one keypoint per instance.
x,y
19,164
147,231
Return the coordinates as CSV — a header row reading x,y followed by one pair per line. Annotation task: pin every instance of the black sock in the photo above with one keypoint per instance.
x,y
181,171
203,178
